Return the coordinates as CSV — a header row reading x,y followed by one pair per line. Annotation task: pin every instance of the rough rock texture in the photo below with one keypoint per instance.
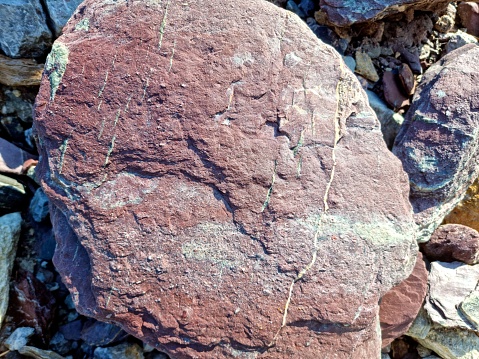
x,y
365,66
399,306
59,11
449,343
24,31
453,242
219,185
10,226
348,12
39,206
438,142
449,285
467,211
20,72
32,304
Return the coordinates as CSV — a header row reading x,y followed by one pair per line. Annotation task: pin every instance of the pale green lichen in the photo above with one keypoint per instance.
x,y
83,25
63,149
56,66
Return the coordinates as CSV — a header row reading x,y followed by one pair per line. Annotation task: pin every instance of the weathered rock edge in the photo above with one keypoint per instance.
x,y
218,190
344,13
438,142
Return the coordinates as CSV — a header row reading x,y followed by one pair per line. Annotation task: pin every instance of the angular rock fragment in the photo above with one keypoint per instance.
x,y
393,92
59,11
218,190
449,343
19,338
39,206
365,66
470,308
453,242
32,304
10,226
438,140
449,285
407,79
24,31
348,12
400,306
20,72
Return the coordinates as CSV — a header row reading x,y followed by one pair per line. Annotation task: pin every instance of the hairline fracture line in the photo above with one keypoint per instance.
x,y
337,137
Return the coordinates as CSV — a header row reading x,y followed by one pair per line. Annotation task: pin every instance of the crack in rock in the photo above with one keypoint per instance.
x,y
337,137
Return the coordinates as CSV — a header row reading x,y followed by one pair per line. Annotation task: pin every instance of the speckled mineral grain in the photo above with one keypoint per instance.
x,y
219,186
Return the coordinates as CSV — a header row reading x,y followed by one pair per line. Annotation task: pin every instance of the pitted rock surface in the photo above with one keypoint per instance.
x,y
219,186
438,141
349,12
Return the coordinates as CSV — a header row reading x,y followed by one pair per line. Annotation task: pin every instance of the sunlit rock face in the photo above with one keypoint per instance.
x,y
219,185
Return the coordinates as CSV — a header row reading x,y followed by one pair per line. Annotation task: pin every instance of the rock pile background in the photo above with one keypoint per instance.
x,y
398,56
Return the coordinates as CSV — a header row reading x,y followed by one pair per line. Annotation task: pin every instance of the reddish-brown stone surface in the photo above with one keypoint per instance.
x,y
393,92
453,242
399,306
32,305
219,186
469,14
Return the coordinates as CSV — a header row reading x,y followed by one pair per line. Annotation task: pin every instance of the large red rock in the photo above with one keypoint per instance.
x,y
219,185
400,306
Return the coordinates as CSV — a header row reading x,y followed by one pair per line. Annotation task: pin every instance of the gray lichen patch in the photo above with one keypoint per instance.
x,y
56,66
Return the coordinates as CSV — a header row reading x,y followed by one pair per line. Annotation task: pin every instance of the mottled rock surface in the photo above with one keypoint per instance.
x,y
348,12
219,185
438,142
449,343
10,226
453,242
24,31
400,306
